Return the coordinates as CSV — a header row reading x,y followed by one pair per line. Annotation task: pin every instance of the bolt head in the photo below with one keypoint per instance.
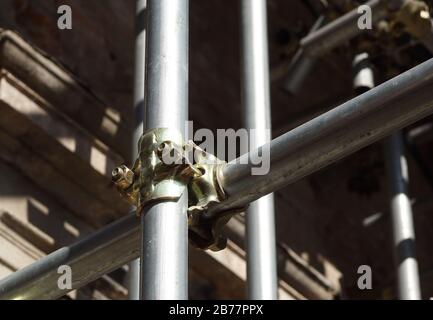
x,y
117,174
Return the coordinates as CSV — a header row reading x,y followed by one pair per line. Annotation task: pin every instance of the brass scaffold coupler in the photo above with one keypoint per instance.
x,y
163,171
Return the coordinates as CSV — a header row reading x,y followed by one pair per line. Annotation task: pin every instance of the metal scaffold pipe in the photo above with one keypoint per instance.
x,y
341,29
333,135
322,39
260,220
164,241
90,258
302,151
301,64
401,209
408,282
139,76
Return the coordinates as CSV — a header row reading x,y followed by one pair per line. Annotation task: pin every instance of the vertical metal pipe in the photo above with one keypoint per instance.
x,y
260,231
363,75
164,252
402,221
139,76
134,280
401,210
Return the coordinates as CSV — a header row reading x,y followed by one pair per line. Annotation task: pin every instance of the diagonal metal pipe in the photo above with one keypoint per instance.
x,y
296,154
341,29
322,39
100,253
333,135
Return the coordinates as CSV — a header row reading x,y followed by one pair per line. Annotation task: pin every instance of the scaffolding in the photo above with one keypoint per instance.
x,y
159,237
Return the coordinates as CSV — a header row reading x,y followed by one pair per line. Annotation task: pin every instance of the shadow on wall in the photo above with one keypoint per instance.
x,y
34,215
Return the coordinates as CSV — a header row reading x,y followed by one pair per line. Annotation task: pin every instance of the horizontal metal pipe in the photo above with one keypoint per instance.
x,y
302,151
